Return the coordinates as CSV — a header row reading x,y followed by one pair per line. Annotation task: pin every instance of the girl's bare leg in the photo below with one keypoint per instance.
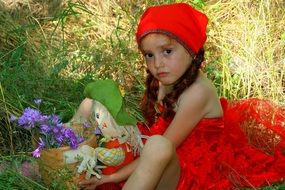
x,y
158,167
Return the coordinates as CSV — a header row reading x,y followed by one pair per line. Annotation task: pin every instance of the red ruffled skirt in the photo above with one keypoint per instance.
x,y
242,149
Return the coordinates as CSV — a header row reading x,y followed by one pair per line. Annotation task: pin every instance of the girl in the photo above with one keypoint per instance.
x,y
198,141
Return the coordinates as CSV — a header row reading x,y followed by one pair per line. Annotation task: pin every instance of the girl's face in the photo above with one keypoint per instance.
x,y
166,59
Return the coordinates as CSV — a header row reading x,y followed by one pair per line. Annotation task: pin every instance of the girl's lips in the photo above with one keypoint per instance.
x,y
162,74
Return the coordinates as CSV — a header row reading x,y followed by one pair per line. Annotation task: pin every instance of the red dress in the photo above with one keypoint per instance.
x,y
242,149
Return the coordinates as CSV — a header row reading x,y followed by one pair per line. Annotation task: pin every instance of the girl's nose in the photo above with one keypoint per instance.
x,y
158,62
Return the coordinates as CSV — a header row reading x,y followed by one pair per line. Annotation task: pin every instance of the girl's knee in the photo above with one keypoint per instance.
x,y
159,140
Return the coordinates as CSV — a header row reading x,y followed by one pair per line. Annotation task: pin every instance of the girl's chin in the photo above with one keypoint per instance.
x,y
166,82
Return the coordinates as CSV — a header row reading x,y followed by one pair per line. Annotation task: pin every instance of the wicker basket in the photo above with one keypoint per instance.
x,y
52,166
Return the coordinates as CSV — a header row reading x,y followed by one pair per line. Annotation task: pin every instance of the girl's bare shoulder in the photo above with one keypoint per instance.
x,y
204,93
202,87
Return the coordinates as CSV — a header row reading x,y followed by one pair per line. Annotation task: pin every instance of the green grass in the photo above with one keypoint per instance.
x,y
11,171
10,179
52,49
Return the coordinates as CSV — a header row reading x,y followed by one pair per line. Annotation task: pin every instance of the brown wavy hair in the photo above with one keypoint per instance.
x,y
152,85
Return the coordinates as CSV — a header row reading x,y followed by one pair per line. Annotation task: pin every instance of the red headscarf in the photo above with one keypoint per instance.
x,y
179,21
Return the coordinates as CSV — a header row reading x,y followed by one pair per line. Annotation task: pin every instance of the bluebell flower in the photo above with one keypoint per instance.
x,y
81,139
67,132
73,143
55,130
37,152
44,129
52,131
41,143
59,138
55,120
29,118
72,138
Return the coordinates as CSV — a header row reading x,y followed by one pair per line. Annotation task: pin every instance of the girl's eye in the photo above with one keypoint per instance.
x,y
97,115
167,51
148,55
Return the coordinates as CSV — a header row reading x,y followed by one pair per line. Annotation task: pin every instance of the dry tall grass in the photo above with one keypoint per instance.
x,y
247,37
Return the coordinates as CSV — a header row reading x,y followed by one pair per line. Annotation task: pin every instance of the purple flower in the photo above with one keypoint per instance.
x,y
59,138
44,129
45,119
52,131
29,118
38,101
41,143
81,139
37,152
55,120
13,118
68,132
70,135
55,130
73,143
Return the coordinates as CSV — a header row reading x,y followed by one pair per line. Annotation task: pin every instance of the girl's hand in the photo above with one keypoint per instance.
x,y
93,182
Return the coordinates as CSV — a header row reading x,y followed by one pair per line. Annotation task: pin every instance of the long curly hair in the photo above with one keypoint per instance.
x,y
148,102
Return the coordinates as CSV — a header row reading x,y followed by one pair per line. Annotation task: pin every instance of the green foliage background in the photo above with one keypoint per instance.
x,y
52,49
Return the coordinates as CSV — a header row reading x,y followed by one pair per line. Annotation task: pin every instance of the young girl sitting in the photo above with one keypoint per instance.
x,y
197,141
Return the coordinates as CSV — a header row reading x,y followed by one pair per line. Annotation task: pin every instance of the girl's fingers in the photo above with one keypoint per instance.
x,y
90,181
